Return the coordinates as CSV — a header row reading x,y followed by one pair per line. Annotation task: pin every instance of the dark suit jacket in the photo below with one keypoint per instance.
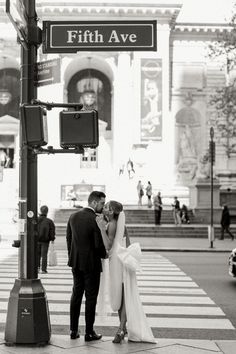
x,y
84,241
225,218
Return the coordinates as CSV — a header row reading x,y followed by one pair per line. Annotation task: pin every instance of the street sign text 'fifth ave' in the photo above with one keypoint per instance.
x,y
71,37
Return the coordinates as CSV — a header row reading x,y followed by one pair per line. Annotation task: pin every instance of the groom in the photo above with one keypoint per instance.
x,y
85,250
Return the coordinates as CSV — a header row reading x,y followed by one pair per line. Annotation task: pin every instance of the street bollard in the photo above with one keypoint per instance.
x,y
211,235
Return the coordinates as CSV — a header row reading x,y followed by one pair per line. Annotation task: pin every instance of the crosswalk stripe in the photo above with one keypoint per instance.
x,y
8,283
151,310
61,273
165,290
148,290
159,322
65,296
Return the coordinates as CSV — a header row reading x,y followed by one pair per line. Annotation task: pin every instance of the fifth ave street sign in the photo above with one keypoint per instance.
x,y
73,36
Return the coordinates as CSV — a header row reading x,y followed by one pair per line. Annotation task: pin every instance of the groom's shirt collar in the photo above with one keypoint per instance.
x,y
89,207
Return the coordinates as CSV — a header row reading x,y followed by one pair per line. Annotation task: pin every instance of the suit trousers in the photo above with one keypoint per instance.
x,y
43,254
88,283
226,229
157,213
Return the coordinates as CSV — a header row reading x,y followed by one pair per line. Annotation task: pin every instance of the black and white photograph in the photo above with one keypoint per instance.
x,y
117,176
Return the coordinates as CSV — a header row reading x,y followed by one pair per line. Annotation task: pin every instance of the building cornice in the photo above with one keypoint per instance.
x,y
91,11
201,27
164,13
198,31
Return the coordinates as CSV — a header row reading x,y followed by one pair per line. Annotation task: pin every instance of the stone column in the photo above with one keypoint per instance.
x,y
123,101
49,192
203,200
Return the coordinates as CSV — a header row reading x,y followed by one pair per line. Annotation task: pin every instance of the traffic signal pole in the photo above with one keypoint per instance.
x,y
212,158
27,315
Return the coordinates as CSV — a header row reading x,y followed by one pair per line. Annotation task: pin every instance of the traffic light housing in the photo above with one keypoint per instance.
x,y
79,129
212,151
34,125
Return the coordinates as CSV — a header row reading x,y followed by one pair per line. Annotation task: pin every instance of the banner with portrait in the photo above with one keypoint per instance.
x,y
79,192
151,99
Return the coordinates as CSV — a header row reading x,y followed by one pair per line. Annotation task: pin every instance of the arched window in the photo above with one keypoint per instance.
x,y
9,92
93,89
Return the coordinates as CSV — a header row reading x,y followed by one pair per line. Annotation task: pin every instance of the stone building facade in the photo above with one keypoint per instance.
x,y
153,108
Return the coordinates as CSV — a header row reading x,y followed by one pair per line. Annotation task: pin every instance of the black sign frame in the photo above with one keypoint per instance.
x,y
54,33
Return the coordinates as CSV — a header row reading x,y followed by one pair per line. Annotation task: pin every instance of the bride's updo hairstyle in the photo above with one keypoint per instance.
x,y
116,207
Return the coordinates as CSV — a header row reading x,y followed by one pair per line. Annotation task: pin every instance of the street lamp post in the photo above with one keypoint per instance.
x,y
27,315
212,158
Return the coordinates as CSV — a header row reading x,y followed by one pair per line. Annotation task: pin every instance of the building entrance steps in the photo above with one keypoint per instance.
x,y
133,214
140,223
162,231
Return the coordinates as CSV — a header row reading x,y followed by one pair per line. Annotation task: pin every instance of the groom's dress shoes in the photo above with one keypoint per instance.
x,y
92,336
74,334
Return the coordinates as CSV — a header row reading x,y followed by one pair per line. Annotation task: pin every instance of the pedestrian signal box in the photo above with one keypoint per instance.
x,y
79,129
34,125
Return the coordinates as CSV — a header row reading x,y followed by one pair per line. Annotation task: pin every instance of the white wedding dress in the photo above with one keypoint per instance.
x,y
123,264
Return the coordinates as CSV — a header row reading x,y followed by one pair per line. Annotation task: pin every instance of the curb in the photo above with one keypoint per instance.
x,y
151,249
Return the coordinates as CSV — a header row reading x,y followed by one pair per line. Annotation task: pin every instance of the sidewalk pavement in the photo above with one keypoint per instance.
x,y
184,244
60,344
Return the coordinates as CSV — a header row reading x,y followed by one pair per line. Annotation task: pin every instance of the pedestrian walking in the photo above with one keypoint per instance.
x,y
149,194
85,250
225,223
184,214
121,169
46,234
130,168
157,201
176,211
140,192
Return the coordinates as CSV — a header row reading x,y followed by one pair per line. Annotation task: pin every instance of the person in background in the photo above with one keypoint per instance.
x,y
157,201
121,169
130,168
176,211
184,214
3,158
46,234
149,194
140,192
225,223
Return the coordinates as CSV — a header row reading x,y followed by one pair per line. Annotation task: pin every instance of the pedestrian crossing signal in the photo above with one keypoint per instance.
x,y
79,129
34,125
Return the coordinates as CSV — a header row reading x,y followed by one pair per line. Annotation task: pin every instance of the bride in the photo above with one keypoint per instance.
x,y
124,260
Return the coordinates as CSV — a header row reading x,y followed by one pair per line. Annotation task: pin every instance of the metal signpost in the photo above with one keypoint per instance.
x,y
212,160
27,316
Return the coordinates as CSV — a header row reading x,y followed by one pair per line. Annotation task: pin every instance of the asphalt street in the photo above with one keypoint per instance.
x,y
210,272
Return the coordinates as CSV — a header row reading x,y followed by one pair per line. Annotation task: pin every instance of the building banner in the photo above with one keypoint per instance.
x,y
151,99
1,173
